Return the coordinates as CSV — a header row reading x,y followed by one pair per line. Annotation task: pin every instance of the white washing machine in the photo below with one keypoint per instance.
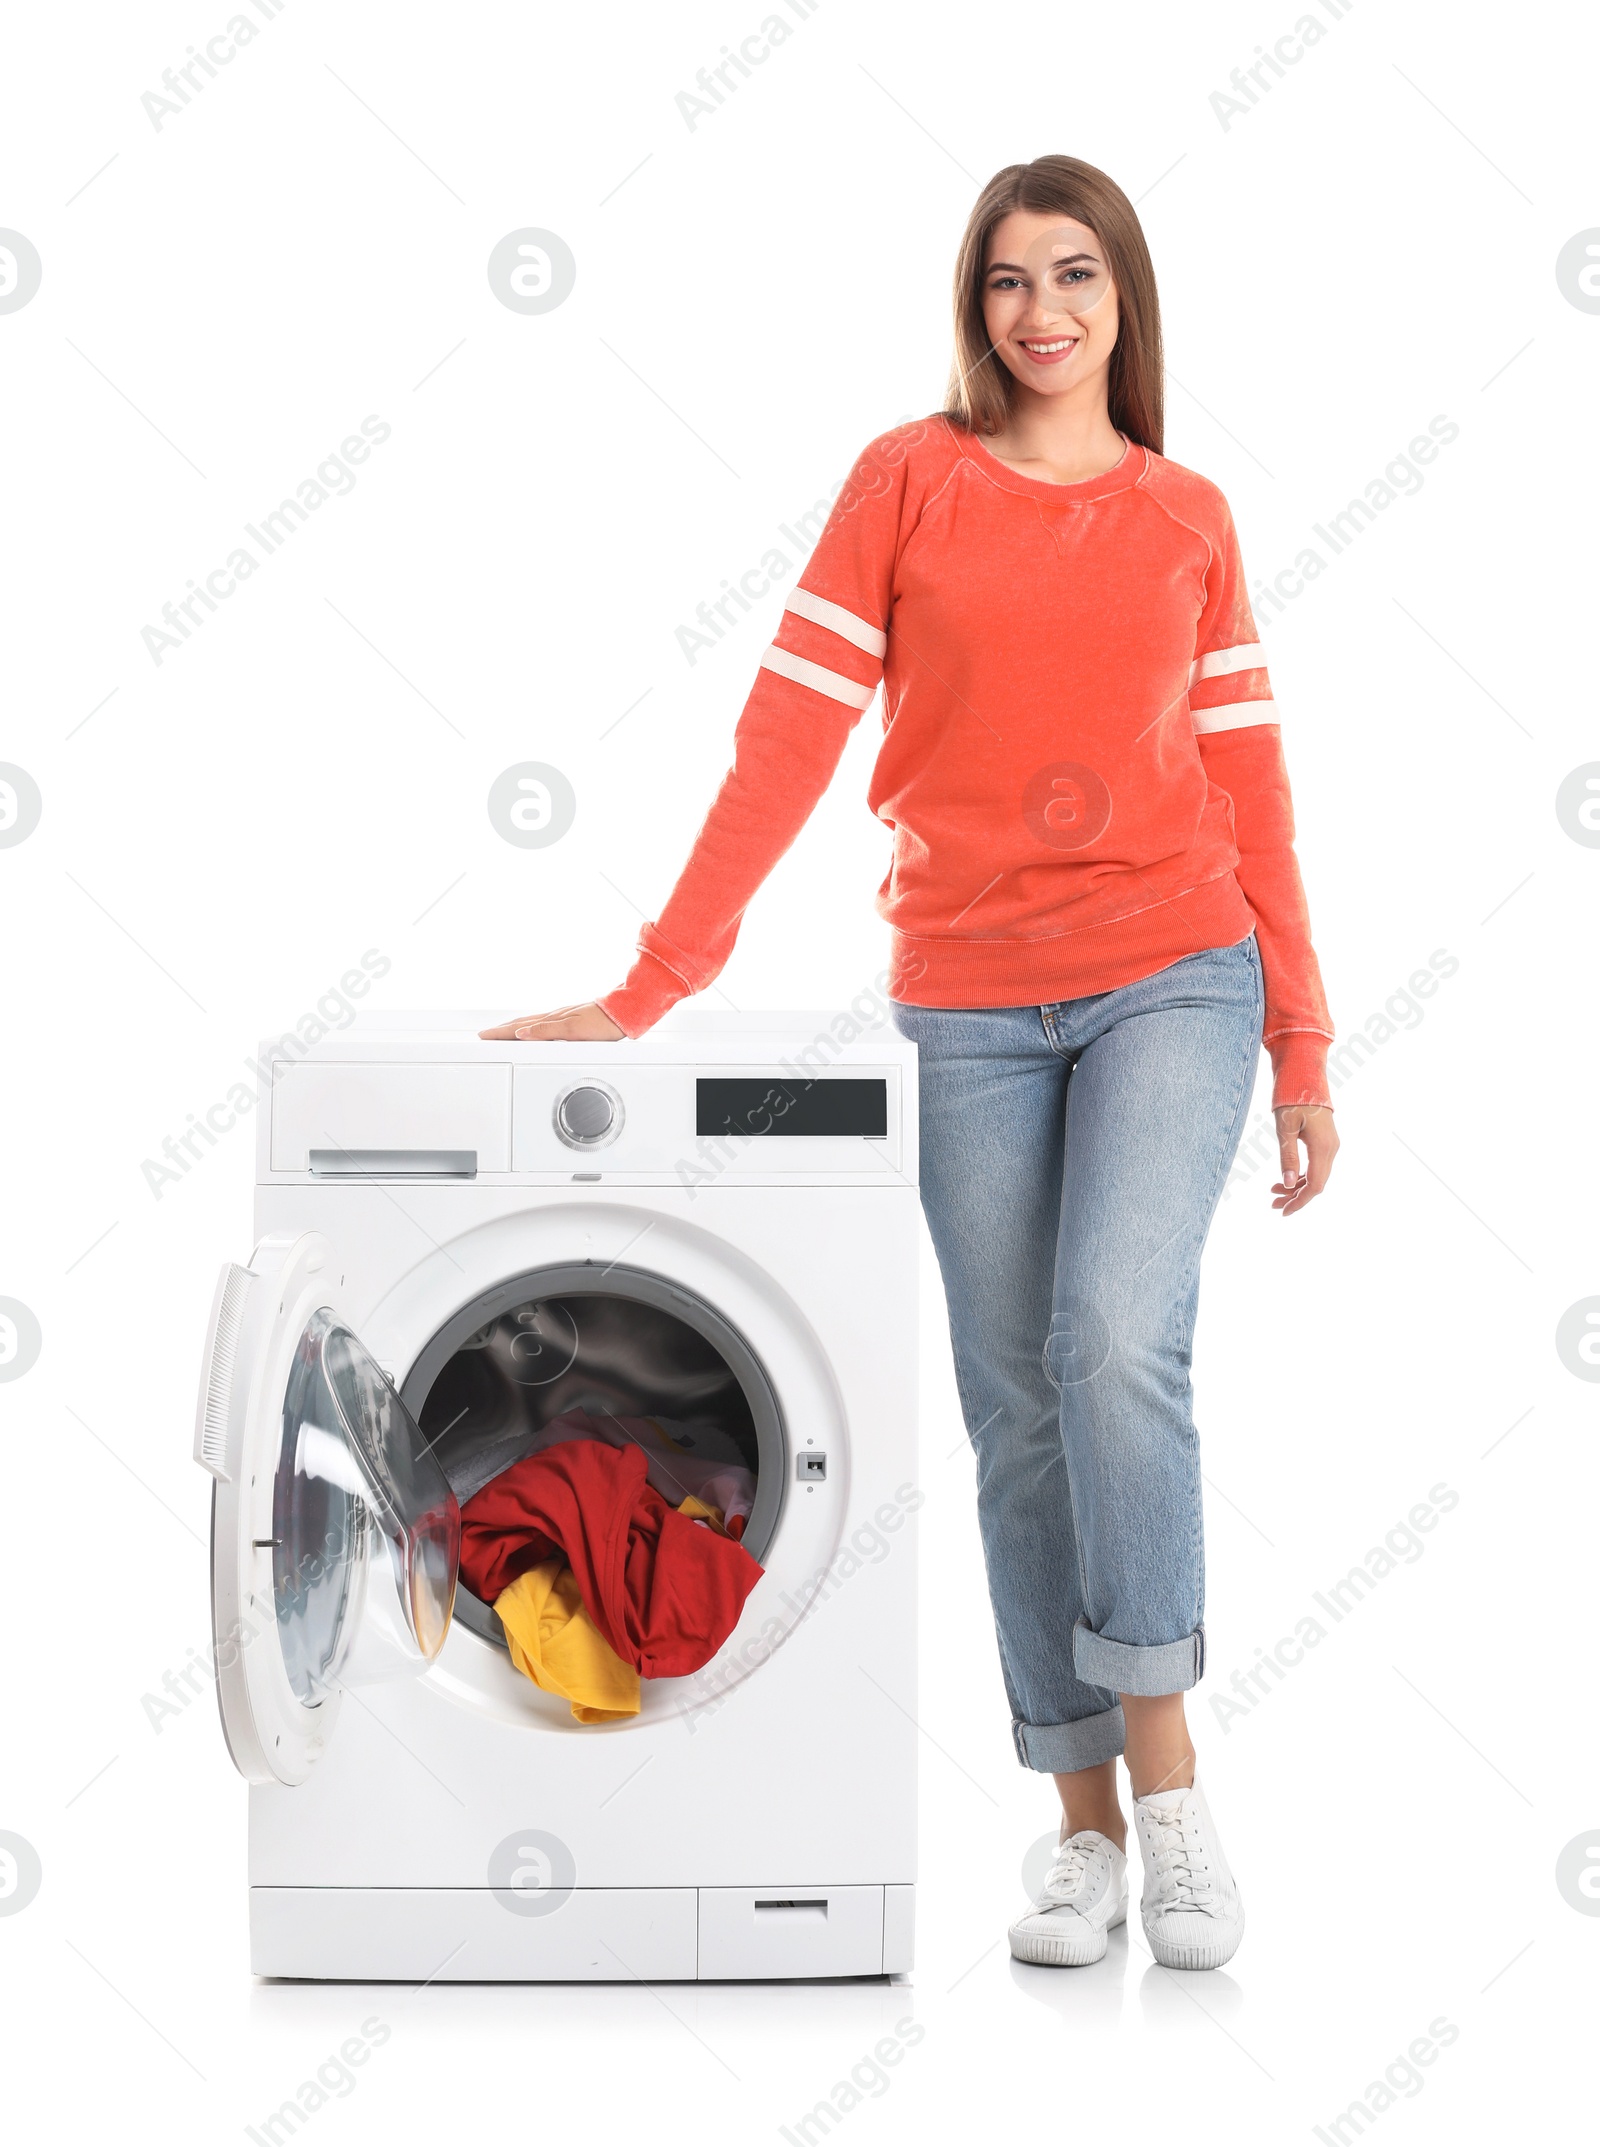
x,y
718,1221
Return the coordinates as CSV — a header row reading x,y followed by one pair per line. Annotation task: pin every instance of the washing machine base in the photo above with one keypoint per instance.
x,y
427,1934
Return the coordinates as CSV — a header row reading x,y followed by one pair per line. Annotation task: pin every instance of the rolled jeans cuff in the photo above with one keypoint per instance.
x,y
1064,1747
1145,1673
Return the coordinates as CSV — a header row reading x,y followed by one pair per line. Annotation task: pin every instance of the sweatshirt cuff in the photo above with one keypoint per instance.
x,y
1300,1069
650,990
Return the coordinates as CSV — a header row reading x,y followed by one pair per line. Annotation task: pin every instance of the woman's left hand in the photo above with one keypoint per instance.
x,y
1309,1125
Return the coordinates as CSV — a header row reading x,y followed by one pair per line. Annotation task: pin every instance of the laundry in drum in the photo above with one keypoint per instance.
x,y
640,1430
553,1641
663,1588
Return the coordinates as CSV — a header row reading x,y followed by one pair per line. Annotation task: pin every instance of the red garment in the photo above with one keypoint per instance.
x,y
664,1591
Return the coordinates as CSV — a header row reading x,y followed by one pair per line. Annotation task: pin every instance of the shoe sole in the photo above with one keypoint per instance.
x,y
1216,1953
1042,1950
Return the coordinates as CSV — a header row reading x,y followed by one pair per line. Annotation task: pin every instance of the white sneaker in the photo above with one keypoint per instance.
x,y
1190,1908
1085,1896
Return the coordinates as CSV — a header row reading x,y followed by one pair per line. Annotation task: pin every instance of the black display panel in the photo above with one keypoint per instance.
x,y
764,1107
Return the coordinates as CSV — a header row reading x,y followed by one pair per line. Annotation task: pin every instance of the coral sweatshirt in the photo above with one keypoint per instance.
x,y
1081,758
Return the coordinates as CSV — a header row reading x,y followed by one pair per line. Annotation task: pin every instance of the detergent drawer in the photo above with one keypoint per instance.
x,y
463,1934
397,1120
756,1931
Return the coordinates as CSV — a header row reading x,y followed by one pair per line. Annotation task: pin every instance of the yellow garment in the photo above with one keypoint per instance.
x,y
697,1512
554,1641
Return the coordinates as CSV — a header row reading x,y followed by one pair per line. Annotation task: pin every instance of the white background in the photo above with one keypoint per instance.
x,y
223,834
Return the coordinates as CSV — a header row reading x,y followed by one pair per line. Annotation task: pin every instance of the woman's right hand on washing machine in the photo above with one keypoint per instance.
x,y
587,1024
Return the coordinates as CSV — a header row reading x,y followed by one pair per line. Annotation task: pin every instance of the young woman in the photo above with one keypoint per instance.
x,y
1097,918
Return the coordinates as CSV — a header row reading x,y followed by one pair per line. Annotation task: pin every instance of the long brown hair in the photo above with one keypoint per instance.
x,y
981,387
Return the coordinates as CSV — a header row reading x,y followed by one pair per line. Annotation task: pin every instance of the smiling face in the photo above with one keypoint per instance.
x,y
1049,304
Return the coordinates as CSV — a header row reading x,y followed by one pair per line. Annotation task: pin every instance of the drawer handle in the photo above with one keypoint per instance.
x,y
394,1162
793,1908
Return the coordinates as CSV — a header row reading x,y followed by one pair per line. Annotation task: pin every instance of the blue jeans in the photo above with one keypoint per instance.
x,y
1072,1159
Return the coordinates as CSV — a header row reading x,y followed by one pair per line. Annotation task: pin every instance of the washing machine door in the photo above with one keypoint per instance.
x,y
335,1538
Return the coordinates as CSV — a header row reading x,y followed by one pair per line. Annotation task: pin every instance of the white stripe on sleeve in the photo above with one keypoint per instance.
x,y
833,683
1234,715
1222,663
860,632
